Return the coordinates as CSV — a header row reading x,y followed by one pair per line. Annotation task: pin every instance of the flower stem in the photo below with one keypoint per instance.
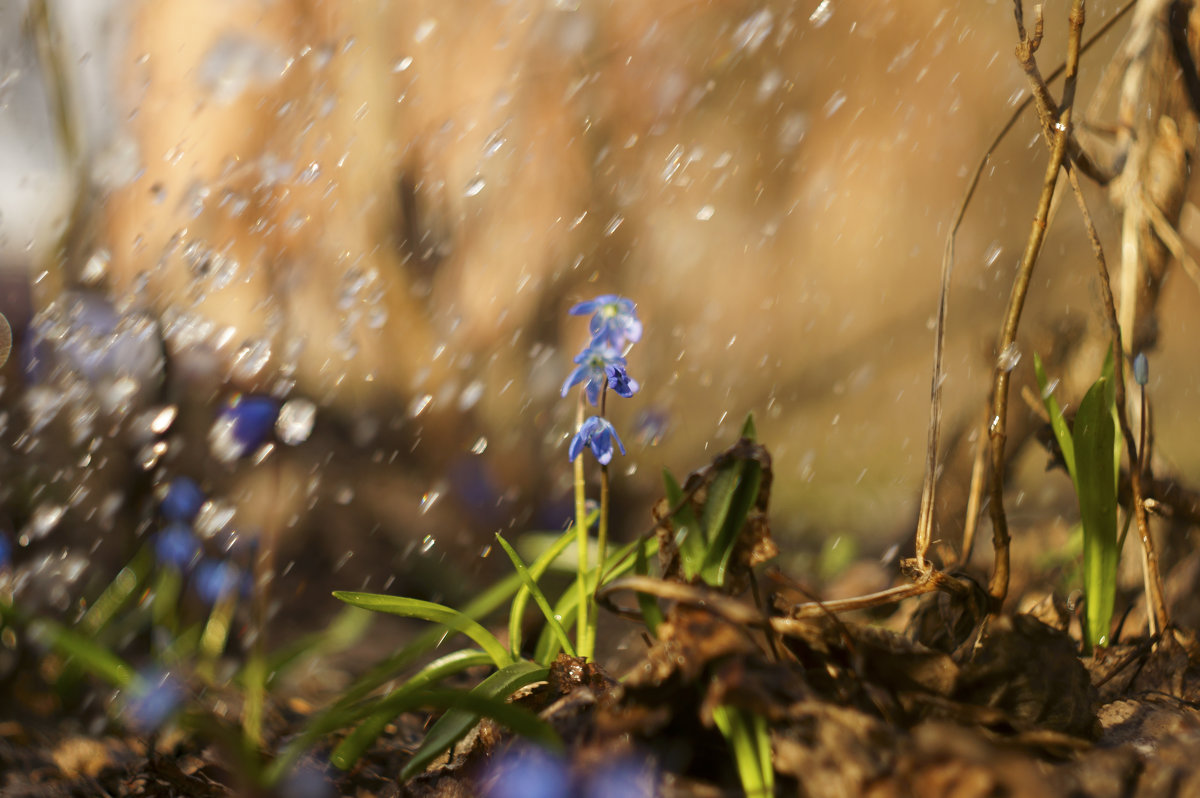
x,y
581,543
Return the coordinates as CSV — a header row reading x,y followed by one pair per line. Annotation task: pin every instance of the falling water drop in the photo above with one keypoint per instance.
x,y
480,445
295,422
475,186
1009,358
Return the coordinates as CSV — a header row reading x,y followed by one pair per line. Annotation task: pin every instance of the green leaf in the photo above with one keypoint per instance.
x,y
748,431
1097,493
750,740
488,698
117,594
1059,424
689,535
617,564
731,495
92,656
531,588
428,611
651,614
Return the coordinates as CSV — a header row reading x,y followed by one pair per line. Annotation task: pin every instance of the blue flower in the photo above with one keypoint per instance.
x,y
1141,369
597,433
614,320
592,369
153,698
217,579
5,551
177,545
182,501
620,381
528,772
243,425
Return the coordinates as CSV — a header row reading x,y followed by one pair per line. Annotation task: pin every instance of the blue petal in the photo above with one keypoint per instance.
x,y
176,545
253,419
182,501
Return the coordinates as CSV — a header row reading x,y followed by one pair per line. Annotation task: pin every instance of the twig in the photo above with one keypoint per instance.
x,y
924,532
998,584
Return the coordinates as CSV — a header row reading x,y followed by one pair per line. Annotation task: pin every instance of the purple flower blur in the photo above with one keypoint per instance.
x,y
528,772
182,501
154,696
176,545
217,579
244,424
620,381
592,369
614,320
598,434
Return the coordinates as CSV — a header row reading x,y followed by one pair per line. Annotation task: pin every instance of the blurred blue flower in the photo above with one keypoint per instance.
x,y
182,501
528,772
620,381
1141,369
244,424
217,579
651,426
597,433
5,551
592,369
176,545
624,778
614,320
154,696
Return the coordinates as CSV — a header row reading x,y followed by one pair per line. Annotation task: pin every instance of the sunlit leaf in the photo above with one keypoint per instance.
x,y
487,699
428,611
689,534
1059,424
1097,492
531,587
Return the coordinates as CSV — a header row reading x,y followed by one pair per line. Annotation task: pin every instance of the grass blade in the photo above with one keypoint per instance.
x,y
543,562
488,698
689,534
531,586
1094,437
428,611
1059,424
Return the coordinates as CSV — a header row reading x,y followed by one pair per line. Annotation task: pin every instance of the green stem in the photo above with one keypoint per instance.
x,y
581,542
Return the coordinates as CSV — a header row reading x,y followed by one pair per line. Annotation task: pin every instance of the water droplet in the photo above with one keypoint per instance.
x,y
1050,386
994,425
251,358
470,395
613,224
424,30
96,267
753,31
835,102
418,405
480,445
822,14
402,64
344,495
993,252
214,516
705,213
295,422
428,543
475,186
428,499
45,517
1009,358
310,173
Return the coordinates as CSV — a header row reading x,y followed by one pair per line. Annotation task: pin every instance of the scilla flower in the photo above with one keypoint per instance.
x,y
620,381
182,500
614,320
592,369
598,434
244,424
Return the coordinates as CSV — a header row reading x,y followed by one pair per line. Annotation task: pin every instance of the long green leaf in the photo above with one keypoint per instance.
x,y
1097,492
488,698
546,560
651,614
617,564
689,534
90,655
531,587
1057,423
428,611
730,497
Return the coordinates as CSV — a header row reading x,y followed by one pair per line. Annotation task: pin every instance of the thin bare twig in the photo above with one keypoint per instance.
x,y
998,584
924,533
